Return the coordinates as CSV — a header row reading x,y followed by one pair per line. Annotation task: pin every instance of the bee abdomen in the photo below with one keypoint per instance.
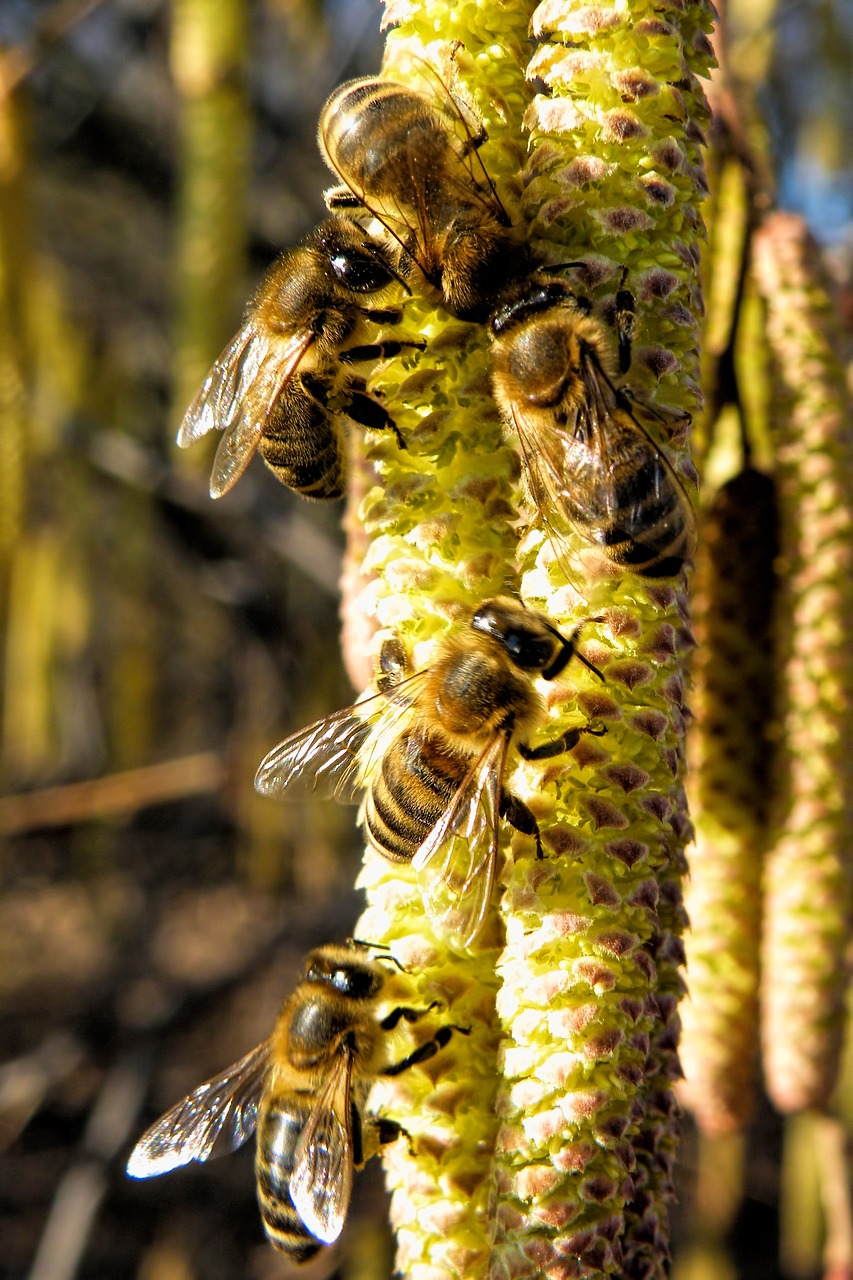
x,y
301,444
645,528
279,1131
416,783
368,125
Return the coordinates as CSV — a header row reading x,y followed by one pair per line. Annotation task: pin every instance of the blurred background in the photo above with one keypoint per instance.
x,y
154,158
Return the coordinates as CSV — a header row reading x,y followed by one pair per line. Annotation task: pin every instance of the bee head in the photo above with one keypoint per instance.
x,y
359,263
528,638
536,295
347,968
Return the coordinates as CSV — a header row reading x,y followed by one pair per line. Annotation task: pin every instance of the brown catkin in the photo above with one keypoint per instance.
x,y
807,882
730,760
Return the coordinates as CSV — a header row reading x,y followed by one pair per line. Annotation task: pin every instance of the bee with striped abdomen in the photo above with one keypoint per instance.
x,y
304,1090
277,386
587,461
411,164
431,751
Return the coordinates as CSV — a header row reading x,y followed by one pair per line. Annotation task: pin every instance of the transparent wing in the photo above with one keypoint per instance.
x,y
247,411
234,453
405,223
321,1182
214,406
237,395
332,756
216,1118
602,471
457,862
546,478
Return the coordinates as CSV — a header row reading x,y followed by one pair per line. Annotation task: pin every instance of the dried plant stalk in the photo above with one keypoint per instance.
x,y
208,57
807,885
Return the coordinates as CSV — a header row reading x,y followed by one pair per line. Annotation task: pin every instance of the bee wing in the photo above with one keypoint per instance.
x,y
237,395
328,758
547,477
241,415
456,864
604,463
214,403
608,442
217,1117
321,1182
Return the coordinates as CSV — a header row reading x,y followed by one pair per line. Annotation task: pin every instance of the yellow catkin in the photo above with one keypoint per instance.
x,y
441,528
807,883
542,1143
590,972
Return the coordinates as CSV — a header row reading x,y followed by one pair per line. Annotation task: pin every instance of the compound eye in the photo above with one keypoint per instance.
x,y
528,652
358,984
361,272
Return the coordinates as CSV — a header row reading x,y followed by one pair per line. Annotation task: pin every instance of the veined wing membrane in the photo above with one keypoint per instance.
x,y
217,1117
457,862
321,1182
331,757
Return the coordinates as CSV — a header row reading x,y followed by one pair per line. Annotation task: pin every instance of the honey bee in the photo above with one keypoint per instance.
x,y
586,457
431,752
274,387
304,1090
402,160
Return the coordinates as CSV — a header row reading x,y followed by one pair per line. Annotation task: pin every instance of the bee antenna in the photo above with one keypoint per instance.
x,y
378,946
590,666
570,650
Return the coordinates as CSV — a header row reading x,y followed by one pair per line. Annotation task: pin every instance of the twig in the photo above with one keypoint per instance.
x,y
117,793
25,1081
834,1166
81,1191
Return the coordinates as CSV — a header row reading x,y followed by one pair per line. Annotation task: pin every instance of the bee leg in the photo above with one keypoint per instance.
x,y
624,320
368,412
380,1132
357,1136
569,739
388,1131
393,664
628,400
341,198
391,1020
424,1051
518,815
380,350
